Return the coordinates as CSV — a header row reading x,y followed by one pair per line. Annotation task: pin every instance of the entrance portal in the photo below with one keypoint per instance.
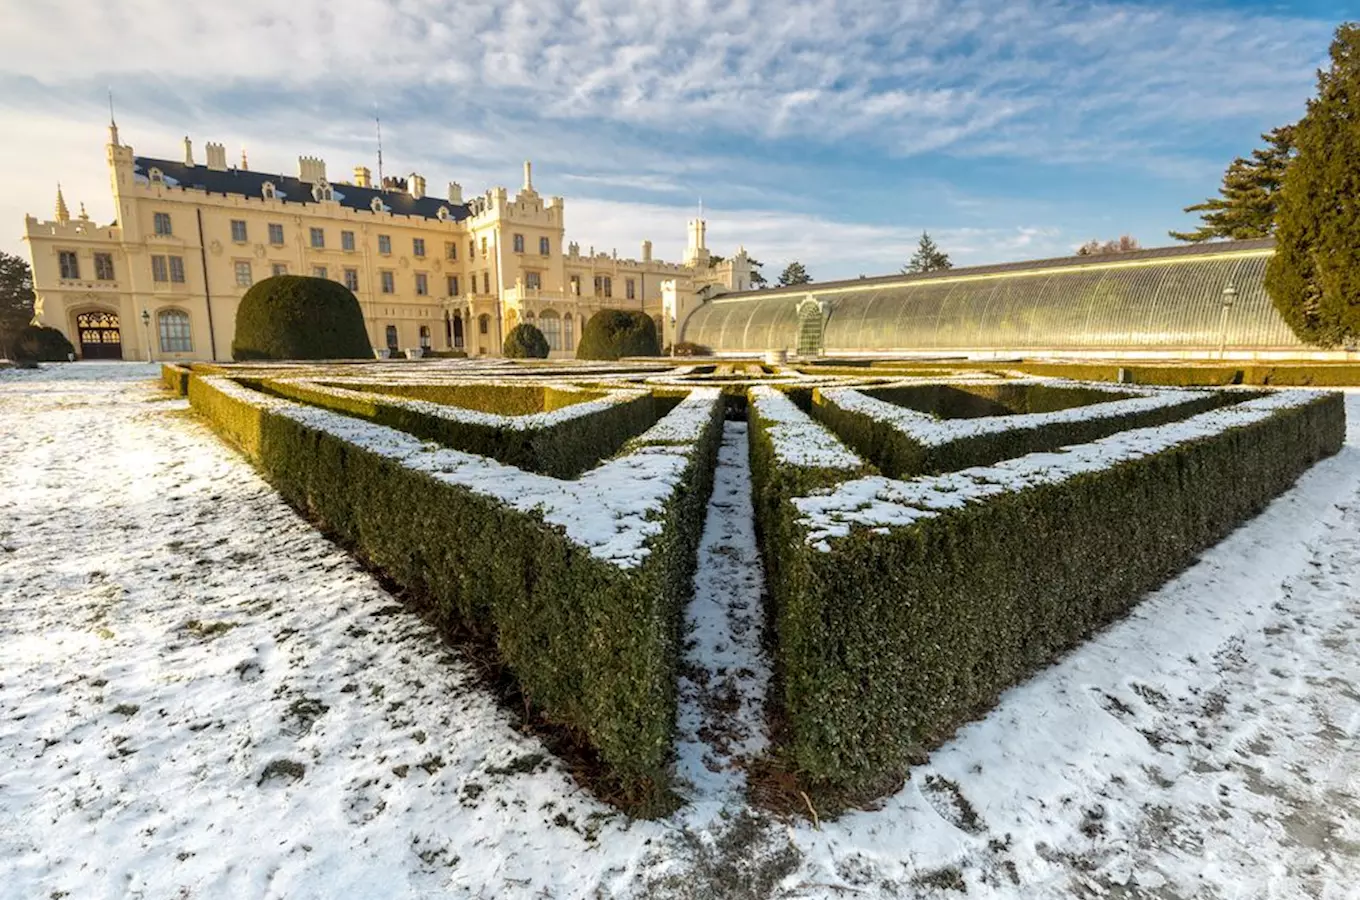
x,y
99,335
458,332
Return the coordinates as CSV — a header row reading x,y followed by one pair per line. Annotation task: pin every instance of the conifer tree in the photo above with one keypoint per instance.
x,y
16,300
927,258
1314,276
1249,197
794,273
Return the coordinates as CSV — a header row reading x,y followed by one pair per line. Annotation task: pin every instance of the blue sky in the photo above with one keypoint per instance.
x,y
829,131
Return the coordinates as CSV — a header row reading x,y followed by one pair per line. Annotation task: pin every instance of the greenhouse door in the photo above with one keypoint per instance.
x,y
810,328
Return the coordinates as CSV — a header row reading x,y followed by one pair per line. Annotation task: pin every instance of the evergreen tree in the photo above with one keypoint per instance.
x,y
927,258
1314,276
16,300
1249,196
794,273
758,279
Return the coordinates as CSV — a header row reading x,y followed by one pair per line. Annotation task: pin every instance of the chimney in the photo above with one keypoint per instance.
x,y
217,157
646,251
417,186
528,175
188,151
311,169
363,177
455,192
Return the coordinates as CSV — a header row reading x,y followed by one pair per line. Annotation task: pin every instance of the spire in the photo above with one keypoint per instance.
x,y
113,126
245,163
63,214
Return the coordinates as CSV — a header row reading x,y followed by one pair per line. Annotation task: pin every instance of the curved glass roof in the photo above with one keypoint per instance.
x,y
1158,299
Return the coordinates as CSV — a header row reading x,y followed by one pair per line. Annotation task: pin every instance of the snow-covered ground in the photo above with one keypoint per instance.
x,y
201,697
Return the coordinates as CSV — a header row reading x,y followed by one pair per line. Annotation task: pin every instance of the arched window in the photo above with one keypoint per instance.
x,y
529,316
483,324
568,335
174,329
268,190
322,191
156,176
392,338
425,337
656,320
443,214
376,205
551,325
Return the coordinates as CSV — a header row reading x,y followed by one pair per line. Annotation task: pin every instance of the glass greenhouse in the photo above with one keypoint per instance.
x,y
1194,297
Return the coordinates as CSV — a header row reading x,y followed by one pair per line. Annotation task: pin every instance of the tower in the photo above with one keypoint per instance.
x,y
696,251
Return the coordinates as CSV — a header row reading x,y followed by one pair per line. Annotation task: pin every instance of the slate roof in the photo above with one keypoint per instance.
x,y
248,183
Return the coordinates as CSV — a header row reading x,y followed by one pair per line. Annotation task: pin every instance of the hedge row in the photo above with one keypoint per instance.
x,y
892,632
593,644
901,450
562,445
1175,375
175,378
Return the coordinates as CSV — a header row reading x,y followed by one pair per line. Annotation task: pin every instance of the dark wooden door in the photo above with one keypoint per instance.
x,y
99,335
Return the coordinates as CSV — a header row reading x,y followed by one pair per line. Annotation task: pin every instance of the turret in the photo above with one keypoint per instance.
x,y
188,151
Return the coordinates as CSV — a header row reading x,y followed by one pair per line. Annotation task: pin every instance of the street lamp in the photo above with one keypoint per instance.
x,y
146,327
1229,295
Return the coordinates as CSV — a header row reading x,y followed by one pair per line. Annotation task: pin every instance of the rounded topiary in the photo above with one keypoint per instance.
x,y
525,342
39,343
295,317
615,333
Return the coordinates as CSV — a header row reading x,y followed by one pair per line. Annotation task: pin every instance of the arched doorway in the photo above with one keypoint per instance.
x,y
457,322
99,335
810,325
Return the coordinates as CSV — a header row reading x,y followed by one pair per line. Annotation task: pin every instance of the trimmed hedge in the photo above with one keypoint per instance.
x,y
296,317
893,637
900,455
563,448
1284,374
42,343
616,333
525,341
594,646
499,399
175,378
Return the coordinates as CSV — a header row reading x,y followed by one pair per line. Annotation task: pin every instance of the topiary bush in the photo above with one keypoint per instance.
x,y
616,333
525,341
39,343
295,317
689,348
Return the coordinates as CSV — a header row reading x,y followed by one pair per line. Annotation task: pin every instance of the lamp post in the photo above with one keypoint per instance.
x,y
146,328
1229,295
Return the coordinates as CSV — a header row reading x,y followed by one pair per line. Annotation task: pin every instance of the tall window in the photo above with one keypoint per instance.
x,y
418,247
161,221
159,271
318,238
608,286
544,247
276,234
551,326
472,249
319,272
483,324
385,243
450,250
70,265
422,284
576,285
279,269
453,285
238,230
352,280
103,266
389,283
483,246
568,338
243,276
177,269
630,288
174,328
533,281
425,337
346,240
392,338
486,283
518,243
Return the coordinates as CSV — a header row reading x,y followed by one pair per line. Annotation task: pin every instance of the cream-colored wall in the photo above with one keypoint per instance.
x,y
491,283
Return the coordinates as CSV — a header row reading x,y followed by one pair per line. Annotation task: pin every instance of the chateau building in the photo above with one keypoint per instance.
x,y
163,281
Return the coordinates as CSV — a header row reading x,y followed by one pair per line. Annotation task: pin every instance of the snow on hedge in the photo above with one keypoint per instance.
x,y
611,510
882,503
933,432
797,439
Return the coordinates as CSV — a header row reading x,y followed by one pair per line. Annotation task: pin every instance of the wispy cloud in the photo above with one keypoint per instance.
x,y
753,104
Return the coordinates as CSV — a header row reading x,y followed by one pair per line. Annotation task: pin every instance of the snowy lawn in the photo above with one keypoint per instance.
x,y
201,697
